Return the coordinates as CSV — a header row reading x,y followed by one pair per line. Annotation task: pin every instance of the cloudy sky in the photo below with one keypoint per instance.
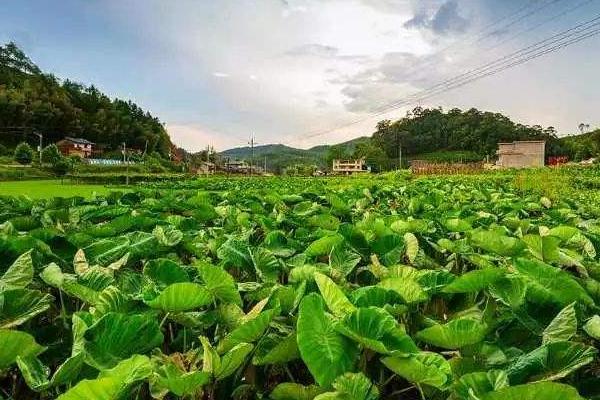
x,y
290,71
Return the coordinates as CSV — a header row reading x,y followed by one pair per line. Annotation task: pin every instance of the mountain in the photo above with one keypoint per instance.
x,y
279,156
36,101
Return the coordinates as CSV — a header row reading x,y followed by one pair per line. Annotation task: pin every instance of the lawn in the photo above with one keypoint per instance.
x,y
51,188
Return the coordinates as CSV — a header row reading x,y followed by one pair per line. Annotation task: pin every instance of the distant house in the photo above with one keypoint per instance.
x,y
206,168
238,166
521,154
348,167
70,146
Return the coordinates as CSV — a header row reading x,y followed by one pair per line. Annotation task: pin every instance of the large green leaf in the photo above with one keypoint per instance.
x,y
276,350
544,248
549,284
232,360
235,252
219,283
34,372
336,300
551,361
324,245
117,336
15,344
326,353
476,384
592,327
351,386
497,243
474,281
295,391
535,391
377,330
181,296
406,287
266,265
19,274
422,368
165,272
248,332
20,305
111,384
563,327
454,334
169,377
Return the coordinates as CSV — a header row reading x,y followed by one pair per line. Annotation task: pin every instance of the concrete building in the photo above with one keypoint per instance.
x,y
521,154
348,167
75,147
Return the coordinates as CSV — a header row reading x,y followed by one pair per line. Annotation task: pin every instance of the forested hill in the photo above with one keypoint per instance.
x,y
58,108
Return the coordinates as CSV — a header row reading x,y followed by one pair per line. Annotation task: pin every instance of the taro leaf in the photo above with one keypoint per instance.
x,y
167,235
68,371
324,221
422,368
550,362
549,284
34,372
343,260
210,359
326,353
413,225
277,242
510,290
112,299
141,245
336,300
117,336
457,225
16,344
563,327
476,384
412,246
409,289
106,251
324,245
295,391
544,248
181,296
19,274
248,332
235,252
535,391
20,305
111,383
266,265
376,296
474,281
232,360
376,329
165,272
454,334
53,276
355,239
390,249
219,283
351,386
592,327
497,243
276,350
170,378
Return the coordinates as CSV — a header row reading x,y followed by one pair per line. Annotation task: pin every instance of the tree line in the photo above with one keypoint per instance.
x,y
31,100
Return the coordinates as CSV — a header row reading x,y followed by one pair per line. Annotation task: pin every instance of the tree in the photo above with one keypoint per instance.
x,y
51,154
336,152
62,166
23,153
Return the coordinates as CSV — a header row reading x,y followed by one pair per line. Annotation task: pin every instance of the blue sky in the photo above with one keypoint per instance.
x,y
217,71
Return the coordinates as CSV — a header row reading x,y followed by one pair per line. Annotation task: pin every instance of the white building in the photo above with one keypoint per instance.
x,y
348,167
521,154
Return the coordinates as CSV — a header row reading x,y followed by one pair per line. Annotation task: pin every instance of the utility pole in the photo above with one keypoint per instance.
x,y
41,137
251,143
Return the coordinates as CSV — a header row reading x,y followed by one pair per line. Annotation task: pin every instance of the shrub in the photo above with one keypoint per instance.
x,y
24,153
3,150
51,154
62,166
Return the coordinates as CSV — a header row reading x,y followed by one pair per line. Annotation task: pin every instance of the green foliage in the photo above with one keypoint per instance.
x,y
23,153
288,288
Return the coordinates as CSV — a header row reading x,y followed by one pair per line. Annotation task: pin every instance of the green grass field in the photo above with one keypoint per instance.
x,y
51,188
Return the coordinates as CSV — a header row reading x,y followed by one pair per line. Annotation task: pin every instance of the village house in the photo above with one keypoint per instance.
x,y
521,154
348,167
70,146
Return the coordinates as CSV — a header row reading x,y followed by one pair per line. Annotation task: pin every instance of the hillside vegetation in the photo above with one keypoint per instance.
x,y
56,108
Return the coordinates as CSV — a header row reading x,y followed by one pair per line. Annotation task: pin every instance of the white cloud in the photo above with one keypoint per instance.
x,y
217,74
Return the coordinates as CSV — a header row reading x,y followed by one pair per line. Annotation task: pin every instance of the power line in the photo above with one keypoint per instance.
x,y
553,43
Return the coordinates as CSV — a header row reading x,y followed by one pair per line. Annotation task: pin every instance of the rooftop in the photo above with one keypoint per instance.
x,y
78,140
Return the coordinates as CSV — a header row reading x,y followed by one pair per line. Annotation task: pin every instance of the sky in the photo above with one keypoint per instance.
x,y
311,72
